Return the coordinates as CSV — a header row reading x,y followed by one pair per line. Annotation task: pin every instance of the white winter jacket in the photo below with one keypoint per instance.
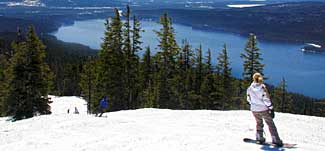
x,y
257,97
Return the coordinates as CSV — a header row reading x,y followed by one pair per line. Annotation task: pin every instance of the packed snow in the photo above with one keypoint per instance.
x,y
152,130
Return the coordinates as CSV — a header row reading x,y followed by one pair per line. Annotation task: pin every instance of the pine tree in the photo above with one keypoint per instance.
x,y
156,60
129,71
4,85
6,57
187,72
117,33
134,63
199,70
104,69
127,46
136,35
208,88
218,102
208,63
146,67
182,77
88,83
167,62
31,80
20,37
111,66
225,77
70,80
252,59
281,99
147,95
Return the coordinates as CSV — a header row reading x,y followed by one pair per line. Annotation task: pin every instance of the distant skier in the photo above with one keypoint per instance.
x,y
102,106
261,106
76,111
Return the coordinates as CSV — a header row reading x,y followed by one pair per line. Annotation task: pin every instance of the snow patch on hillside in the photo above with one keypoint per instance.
x,y
245,5
152,129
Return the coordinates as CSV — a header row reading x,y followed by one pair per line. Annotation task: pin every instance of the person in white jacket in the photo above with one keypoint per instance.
x,y
261,107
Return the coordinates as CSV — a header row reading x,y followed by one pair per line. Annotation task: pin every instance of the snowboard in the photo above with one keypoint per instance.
x,y
253,141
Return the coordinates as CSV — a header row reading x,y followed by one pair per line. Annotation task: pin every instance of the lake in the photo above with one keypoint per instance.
x,y
304,73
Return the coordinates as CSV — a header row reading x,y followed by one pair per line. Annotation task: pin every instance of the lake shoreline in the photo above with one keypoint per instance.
x,y
289,56
201,28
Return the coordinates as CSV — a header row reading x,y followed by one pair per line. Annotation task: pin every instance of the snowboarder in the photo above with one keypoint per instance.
x,y
261,106
102,106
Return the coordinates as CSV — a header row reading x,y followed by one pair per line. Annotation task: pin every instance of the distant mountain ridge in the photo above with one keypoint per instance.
x,y
294,21
89,3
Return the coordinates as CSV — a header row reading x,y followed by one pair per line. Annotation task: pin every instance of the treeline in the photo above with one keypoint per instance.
x,y
19,65
177,76
66,61
25,78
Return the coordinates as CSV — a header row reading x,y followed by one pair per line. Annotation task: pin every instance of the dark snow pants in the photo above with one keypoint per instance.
x,y
259,116
100,111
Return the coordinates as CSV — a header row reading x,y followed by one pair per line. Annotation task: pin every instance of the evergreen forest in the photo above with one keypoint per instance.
x,y
176,76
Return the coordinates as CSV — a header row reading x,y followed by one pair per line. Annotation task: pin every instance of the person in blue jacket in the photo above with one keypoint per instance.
x,y
102,106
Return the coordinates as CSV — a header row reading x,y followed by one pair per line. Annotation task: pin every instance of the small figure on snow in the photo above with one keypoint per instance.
x,y
261,106
76,110
102,106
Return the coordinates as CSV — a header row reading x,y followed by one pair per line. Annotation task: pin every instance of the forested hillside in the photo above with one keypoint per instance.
x,y
176,77
292,22
64,62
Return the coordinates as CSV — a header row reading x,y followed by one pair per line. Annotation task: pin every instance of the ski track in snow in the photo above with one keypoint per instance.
x,y
152,130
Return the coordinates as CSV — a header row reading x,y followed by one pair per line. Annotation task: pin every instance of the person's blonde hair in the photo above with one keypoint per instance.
x,y
258,78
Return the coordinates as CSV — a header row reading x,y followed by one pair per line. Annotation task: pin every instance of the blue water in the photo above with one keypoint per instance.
x,y
304,73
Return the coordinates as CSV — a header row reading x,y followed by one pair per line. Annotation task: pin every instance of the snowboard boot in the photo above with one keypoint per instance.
x,y
259,137
277,141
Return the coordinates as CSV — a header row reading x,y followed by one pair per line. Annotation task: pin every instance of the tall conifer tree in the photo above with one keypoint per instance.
x,y
134,63
111,65
225,72
148,97
281,99
136,42
252,59
146,67
118,64
4,85
252,63
199,70
169,51
208,85
185,73
88,83
129,61
31,81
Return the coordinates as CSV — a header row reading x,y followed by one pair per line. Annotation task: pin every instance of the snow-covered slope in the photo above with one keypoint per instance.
x,y
152,130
